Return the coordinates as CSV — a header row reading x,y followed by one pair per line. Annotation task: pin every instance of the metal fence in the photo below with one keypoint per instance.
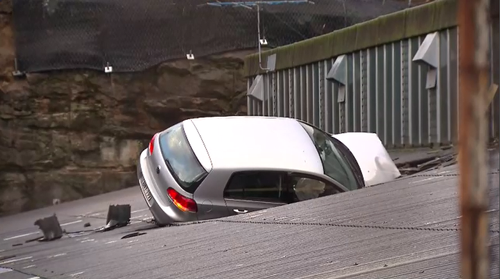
x,y
405,91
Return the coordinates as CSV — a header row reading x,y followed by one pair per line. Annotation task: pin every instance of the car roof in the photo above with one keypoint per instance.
x,y
257,142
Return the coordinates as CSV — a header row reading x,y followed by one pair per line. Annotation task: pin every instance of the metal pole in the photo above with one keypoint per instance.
x,y
258,34
498,105
473,20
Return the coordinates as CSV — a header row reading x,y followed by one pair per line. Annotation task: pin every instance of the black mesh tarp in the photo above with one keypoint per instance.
x,y
133,35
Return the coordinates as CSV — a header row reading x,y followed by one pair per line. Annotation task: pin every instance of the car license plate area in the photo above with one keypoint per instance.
x,y
145,190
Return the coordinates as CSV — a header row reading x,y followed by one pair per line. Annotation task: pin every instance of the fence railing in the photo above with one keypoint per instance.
x,y
400,82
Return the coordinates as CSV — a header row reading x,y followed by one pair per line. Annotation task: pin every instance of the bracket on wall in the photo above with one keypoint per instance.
x,y
428,55
271,62
257,89
190,55
16,73
108,68
338,75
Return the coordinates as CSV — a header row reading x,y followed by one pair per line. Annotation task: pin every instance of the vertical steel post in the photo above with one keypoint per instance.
x,y
473,21
498,104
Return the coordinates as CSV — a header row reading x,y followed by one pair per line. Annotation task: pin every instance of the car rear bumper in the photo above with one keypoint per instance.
x,y
161,207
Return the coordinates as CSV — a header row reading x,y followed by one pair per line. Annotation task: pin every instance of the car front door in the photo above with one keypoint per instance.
x,y
249,191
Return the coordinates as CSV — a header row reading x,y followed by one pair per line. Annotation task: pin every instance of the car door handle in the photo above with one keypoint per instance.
x,y
240,211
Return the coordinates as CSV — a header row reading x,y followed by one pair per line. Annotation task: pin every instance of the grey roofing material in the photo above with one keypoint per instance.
x,y
403,229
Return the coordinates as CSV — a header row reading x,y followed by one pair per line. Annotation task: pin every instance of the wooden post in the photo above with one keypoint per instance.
x,y
473,28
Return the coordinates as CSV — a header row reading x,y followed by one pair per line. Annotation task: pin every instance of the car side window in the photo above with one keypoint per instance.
x,y
303,188
266,186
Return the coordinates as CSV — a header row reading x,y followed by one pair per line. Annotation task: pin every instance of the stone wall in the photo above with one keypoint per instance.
x,y
68,135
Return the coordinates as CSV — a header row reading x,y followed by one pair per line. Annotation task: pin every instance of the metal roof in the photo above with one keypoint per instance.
x,y
403,229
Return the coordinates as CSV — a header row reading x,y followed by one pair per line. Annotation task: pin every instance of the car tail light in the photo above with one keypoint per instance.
x,y
152,145
183,203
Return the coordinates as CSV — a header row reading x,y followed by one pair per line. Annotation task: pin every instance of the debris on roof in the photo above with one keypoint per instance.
x,y
410,163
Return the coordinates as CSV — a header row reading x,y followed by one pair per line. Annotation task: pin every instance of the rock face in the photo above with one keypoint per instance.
x,y
68,135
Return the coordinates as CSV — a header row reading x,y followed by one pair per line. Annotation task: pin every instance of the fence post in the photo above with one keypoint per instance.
x,y
473,23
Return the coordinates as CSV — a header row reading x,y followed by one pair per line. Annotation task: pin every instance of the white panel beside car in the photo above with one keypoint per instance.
x,y
373,159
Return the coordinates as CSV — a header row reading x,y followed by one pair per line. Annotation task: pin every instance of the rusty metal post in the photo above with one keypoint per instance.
x,y
473,26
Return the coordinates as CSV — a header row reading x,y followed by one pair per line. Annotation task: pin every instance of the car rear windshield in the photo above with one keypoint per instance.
x,y
180,159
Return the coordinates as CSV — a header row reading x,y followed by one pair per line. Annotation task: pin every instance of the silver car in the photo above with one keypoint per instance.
x,y
212,167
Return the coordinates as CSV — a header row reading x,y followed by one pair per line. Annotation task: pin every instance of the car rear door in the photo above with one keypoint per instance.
x,y
249,191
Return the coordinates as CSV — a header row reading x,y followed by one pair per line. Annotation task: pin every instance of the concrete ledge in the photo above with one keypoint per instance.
x,y
385,29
